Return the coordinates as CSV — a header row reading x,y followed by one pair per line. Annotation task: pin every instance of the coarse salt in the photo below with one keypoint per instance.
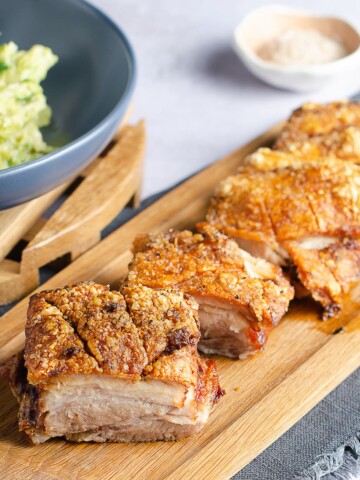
x,y
302,47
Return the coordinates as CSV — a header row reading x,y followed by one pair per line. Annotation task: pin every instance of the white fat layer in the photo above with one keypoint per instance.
x,y
263,250
316,243
150,390
188,414
278,255
224,329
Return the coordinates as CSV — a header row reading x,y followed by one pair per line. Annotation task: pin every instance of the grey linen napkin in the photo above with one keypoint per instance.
x,y
326,440
324,444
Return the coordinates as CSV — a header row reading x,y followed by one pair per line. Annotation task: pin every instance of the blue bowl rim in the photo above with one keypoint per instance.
x,y
129,88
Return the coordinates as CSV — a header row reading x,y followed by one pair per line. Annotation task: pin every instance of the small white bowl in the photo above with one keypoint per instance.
x,y
264,24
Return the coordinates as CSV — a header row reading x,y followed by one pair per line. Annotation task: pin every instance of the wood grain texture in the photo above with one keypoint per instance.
x,y
108,187
15,224
109,184
16,221
266,394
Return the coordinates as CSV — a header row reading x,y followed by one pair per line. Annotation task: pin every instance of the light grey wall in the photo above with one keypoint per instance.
x,y
199,101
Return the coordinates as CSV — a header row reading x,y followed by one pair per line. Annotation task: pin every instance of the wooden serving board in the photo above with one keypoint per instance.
x,y
265,396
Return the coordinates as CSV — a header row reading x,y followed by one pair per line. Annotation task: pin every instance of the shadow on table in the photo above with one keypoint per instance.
x,y
223,64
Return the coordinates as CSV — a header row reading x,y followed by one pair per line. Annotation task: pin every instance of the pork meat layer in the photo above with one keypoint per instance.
x,y
96,368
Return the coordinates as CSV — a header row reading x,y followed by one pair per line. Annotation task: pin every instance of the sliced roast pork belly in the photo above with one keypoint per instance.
x,y
327,272
289,211
241,298
329,130
97,369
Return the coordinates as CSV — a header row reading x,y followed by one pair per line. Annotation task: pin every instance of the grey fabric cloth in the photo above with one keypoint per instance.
x,y
314,447
324,430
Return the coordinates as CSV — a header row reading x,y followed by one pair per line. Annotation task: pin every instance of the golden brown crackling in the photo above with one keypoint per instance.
x,y
343,143
302,199
86,329
319,119
327,191
262,301
181,366
330,130
315,274
82,328
333,190
210,264
173,257
239,205
276,190
52,347
328,273
166,320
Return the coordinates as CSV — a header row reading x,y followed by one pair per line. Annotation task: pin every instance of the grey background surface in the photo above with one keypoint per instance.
x,y
199,101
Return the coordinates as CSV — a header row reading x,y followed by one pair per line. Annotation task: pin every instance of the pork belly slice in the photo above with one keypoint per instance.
x,y
241,298
328,272
314,211
96,368
343,144
329,130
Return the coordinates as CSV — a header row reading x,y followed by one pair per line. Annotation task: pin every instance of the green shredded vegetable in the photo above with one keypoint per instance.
x,y
23,106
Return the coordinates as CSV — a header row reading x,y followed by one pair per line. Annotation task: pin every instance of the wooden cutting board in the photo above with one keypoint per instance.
x,y
303,361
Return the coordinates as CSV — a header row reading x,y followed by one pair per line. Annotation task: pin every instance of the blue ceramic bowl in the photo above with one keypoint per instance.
x,y
88,90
